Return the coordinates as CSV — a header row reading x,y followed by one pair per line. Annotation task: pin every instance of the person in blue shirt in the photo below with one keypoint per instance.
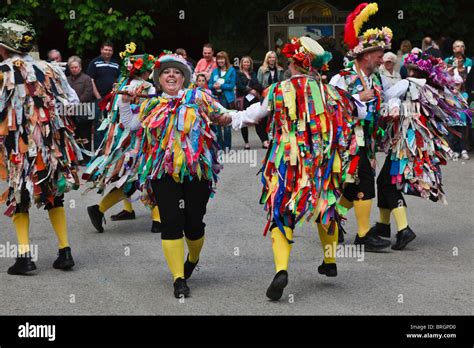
x,y
222,84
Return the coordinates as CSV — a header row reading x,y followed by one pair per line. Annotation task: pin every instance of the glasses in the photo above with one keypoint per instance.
x,y
458,46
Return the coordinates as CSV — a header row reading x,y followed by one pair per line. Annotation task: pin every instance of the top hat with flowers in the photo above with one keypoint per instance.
x,y
134,64
371,39
306,54
431,66
167,59
16,35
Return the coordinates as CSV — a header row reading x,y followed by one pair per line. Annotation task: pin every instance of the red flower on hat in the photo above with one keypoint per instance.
x,y
138,64
289,50
157,64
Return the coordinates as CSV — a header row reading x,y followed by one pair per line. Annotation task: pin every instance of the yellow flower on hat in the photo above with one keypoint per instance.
x,y
388,32
131,47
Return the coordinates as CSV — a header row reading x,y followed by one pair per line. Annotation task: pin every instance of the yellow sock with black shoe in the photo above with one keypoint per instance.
x,y
281,248
195,247
22,228
362,210
155,214
127,205
59,223
174,254
328,242
110,199
384,216
400,216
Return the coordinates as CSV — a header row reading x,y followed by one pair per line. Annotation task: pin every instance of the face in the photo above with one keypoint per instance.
x,y
171,80
75,68
201,82
271,59
106,52
246,64
388,65
221,62
458,47
55,56
373,60
207,53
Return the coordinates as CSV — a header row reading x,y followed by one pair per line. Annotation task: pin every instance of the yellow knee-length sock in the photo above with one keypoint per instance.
x,y
155,214
58,221
362,213
174,254
110,199
328,242
400,216
281,248
384,216
22,227
127,205
195,247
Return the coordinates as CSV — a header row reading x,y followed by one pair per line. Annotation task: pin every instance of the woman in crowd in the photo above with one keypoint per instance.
x,y
269,73
222,84
248,92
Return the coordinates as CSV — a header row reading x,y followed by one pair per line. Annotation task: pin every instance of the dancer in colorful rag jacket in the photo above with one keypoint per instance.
x,y
38,153
117,161
302,171
366,88
415,140
178,161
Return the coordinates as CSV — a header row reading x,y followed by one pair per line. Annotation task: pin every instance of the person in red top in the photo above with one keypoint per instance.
x,y
207,63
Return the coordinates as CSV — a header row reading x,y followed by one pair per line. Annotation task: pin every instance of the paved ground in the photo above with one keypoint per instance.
x,y
426,276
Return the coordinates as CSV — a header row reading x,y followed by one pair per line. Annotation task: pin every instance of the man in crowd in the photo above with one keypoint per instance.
x,y
458,52
207,63
82,84
55,56
428,47
104,71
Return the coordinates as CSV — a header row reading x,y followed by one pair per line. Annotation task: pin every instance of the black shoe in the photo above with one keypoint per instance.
x,y
181,288
64,260
372,242
404,237
22,265
381,230
328,269
155,227
275,290
189,268
96,217
123,215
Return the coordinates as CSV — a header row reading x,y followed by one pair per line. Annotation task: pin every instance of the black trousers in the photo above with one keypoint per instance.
x,y
365,188
23,207
388,195
84,131
182,206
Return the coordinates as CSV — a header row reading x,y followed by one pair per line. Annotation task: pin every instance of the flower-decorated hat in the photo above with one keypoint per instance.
x,y
371,39
136,64
171,60
306,54
16,35
431,66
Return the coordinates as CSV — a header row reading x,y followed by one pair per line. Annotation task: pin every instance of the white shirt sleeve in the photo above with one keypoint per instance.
x,y
127,118
249,116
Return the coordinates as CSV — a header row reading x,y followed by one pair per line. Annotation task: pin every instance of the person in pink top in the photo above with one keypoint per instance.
x,y
207,63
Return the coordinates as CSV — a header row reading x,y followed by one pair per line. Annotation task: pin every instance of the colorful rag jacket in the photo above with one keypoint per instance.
x,y
38,153
178,140
364,132
116,162
309,129
415,138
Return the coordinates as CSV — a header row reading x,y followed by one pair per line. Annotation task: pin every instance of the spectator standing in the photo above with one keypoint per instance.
x,y
55,56
388,68
459,142
405,48
207,63
104,71
222,83
249,92
82,84
270,72
458,51
428,47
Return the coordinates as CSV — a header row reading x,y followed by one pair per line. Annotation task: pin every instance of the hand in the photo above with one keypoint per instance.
x,y
255,93
366,95
127,98
394,112
221,119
